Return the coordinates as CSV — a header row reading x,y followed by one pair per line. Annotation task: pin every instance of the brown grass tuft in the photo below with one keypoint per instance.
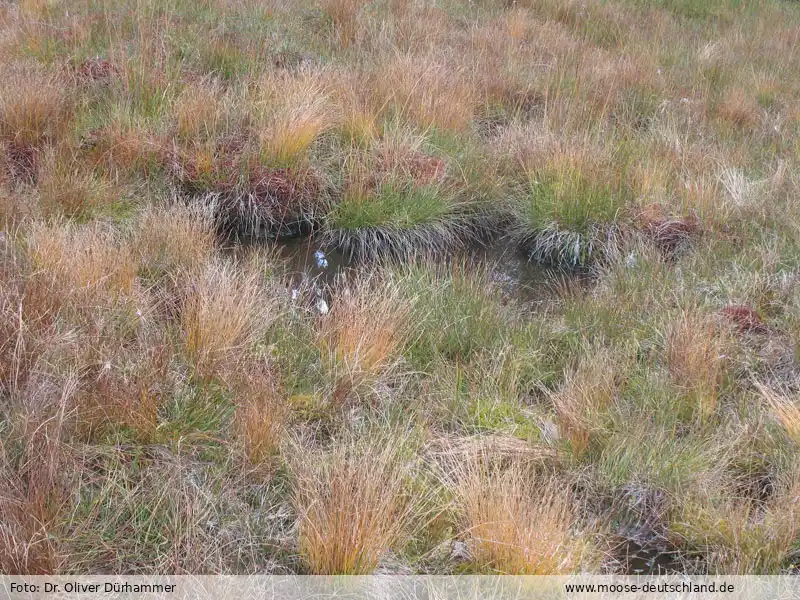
x,y
739,108
35,487
20,162
695,359
304,113
516,522
124,149
400,155
128,391
97,70
360,118
283,197
261,412
33,107
669,234
702,195
174,238
84,261
353,505
428,93
786,410
585,394
69,188
198,113
344,16
226,306
362,335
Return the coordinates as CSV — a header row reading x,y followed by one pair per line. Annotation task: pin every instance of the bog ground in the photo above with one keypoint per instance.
x,y
554,325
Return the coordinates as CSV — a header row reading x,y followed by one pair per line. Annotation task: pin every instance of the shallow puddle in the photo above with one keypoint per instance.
x,y
517,276
510,269
305,259
648,560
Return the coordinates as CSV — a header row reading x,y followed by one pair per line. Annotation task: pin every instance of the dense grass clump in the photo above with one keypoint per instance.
x,y
399,220
568,205
564,218
400,199
354,506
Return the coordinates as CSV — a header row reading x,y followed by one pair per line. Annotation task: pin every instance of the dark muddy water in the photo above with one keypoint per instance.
x,y
649,560
515,275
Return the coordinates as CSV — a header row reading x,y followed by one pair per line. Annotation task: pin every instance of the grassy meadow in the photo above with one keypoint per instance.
x,y
174,400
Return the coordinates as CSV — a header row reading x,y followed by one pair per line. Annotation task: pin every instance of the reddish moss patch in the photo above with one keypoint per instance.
x,y
97,70
744,318
279,188
427,170
419,169
668,233
21,162
277,201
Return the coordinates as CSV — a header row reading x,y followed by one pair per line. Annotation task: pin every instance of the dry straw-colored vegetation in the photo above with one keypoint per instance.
x,y
354,504
621,382
517,521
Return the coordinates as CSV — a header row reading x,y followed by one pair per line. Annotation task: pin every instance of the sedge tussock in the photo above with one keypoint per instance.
x,y
516,521
31,508
363,335
67,188
400,200
570,205
305,112
225,308
33,107
198,113
174,237
85,261
695,360
344,16
353,505
785,409
428,93
262,412
742,538
587,391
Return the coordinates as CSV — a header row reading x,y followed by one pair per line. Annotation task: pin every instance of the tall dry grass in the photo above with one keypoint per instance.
x,y
516,521
68,188
262,412
344,17
427,92
37,476
785,409
34,106
739,537
586,392
304,111
174,238
85,263
695,360
362,336
354,504
225,308
151,378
